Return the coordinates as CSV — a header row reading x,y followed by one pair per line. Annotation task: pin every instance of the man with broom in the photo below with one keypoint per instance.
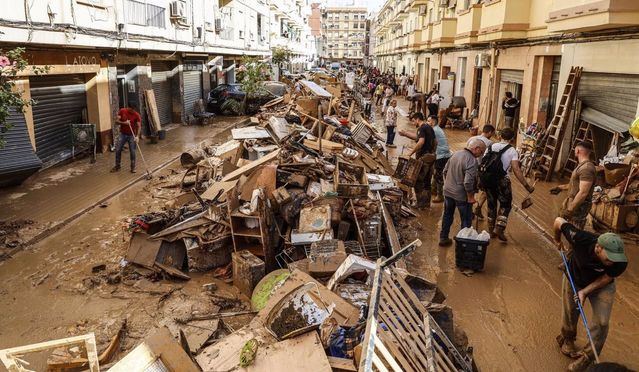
x,y
130,123
591,269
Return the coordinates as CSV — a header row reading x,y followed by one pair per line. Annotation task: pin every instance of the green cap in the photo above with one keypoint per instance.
x,y
613,245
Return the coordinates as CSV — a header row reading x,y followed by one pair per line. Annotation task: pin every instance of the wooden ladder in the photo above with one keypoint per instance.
x,y
584,134
555,132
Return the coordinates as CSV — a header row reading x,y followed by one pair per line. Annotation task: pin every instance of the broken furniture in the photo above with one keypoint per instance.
x,y
400,333
407,170
13,358
248,270
158,352
350,180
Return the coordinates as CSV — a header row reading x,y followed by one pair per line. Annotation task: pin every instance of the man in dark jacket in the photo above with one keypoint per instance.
x,y
510,105
424,150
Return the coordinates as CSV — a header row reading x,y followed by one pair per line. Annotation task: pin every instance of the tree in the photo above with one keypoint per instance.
x,y
12,63
281,55
252,73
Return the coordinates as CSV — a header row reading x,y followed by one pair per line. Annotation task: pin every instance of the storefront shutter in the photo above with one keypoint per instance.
x,y
61,100
161,80
512,76
615,95
17,158
192,90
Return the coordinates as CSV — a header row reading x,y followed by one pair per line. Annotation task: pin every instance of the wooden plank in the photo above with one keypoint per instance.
x,y
252,165
368,342
391,233
395,352
407,344
342,364
414,329
387,355
152,110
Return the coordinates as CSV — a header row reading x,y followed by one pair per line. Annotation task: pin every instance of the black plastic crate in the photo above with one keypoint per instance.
x,y
470,254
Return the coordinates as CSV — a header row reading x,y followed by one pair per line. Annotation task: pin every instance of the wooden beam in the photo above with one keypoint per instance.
x,y
252,165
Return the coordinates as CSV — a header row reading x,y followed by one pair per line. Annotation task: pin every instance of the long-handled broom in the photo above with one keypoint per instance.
x,y
137,146
581,309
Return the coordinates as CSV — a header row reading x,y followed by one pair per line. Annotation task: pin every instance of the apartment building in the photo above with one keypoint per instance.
x,y
290,29
315,22
480,49
103,54
344,35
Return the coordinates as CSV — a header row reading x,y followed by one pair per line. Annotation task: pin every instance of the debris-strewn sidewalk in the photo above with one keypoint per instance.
x,y
56,195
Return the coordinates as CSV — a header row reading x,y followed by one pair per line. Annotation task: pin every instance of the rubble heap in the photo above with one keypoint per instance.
x,y
299,210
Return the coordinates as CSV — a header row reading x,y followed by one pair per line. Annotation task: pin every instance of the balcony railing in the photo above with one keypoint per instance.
x,y
444,33
468,25
580,15
504,19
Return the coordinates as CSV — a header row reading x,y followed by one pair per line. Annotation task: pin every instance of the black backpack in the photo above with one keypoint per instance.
x,y
491,170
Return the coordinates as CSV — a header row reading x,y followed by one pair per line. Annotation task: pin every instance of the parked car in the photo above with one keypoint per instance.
x,y
226,99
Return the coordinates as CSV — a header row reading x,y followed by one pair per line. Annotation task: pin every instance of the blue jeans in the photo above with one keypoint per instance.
x,y
465,213
125,138
390,135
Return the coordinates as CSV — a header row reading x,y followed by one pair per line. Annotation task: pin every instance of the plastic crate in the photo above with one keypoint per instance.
x,y
470,254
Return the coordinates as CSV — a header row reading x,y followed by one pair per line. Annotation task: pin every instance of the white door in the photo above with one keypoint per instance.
x,y
460,82
445,93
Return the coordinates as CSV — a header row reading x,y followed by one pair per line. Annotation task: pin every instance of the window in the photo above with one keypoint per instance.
x,y
241,34
362,25
355,25
143,14
259,27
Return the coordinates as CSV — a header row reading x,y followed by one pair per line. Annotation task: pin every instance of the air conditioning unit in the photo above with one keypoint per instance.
x,y
423,9
218,25
178,9
482,60
443,3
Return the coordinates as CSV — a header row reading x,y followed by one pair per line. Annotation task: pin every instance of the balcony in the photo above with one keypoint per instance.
x,y
444,33
504,20
589,15
415,39
468,24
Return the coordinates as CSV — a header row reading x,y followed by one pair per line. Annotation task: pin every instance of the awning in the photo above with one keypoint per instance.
x,y
604,121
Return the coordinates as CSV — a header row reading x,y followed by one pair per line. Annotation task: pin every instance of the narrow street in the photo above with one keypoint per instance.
x,y
510,311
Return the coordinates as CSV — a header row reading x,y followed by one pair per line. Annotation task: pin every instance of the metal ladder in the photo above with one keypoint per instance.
x,y
555,132
584,134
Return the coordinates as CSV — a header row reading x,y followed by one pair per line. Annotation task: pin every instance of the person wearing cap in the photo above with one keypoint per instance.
x,y
595,262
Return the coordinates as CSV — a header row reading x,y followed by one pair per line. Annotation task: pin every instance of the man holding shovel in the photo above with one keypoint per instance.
x,y
130,123
595,262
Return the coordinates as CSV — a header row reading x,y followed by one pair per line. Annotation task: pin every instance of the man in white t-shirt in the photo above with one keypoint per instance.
x,y
499,194
487,132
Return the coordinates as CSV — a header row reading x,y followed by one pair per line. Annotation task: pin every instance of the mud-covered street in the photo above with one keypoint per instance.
x,y
510,311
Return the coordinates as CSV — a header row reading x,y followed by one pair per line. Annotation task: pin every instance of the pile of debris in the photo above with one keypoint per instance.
x,y
299,210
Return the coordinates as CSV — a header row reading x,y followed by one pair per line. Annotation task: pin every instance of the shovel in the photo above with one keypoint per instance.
x,y
527,202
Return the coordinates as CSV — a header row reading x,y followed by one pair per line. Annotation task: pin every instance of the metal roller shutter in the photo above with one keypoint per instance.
x,y
192,90
61,100
615,95
512,76
161,80
17,158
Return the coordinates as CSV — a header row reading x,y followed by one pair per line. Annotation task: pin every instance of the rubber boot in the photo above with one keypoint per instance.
x,y
491,227
500,228
423,199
